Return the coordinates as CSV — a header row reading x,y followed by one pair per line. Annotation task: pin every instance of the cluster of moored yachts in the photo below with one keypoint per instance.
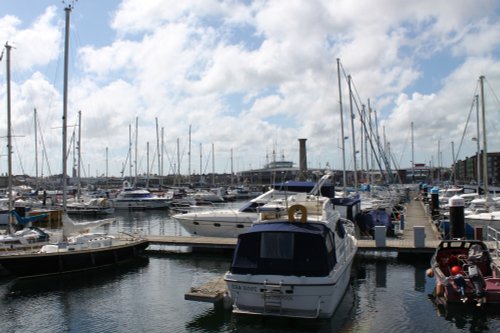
x,y
294,252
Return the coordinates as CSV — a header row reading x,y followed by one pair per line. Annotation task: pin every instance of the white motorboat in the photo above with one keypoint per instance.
x,y
139,198
293,262
226,222
92,207
231,222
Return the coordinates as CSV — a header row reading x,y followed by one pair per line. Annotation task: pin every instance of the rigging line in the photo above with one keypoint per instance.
x,y
404,146
18,155
492,91
207,161
465,127
44,150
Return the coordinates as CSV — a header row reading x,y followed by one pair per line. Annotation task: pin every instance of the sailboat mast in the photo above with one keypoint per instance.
x,y
352,134
36,146
344,174
213,165
478,151
79,147
158,150
485,151
65,106
412,155
136,143
9,130
189,156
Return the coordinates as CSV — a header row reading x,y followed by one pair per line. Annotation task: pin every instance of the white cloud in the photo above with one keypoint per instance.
x,y
36,45
257,76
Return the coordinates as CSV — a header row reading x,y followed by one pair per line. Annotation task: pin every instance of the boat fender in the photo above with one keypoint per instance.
x,y
295,208
455,270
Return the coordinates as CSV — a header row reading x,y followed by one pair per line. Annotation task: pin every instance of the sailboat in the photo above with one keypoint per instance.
x,y
21,234
492,217
80,249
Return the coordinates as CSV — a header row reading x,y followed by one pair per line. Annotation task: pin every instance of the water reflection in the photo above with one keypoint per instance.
x,y
96,278
381,274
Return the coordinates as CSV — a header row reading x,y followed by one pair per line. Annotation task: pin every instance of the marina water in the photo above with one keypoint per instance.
x,y
385,295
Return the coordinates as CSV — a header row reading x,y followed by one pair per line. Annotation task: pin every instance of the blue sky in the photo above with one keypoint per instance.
x,y
251,77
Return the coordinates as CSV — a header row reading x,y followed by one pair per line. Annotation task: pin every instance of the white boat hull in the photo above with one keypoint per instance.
x,y
302,297
223,223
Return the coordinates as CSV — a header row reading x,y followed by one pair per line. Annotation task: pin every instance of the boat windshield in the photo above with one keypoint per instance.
x,y
284,253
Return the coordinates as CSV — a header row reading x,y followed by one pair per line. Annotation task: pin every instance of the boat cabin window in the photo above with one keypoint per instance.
x,y
276,245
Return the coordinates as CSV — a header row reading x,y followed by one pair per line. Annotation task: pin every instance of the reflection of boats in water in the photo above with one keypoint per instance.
x,y
465,273
463,316
86,279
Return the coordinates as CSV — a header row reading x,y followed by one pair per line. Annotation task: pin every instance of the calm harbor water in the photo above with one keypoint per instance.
x,y
385,295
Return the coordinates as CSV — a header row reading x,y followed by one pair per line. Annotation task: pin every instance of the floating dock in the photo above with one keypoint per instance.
x,y
213,291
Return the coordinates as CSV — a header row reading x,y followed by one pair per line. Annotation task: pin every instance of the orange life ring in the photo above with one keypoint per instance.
x,y
295,208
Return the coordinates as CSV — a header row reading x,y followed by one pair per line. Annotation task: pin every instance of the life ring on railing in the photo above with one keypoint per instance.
x,y
295,208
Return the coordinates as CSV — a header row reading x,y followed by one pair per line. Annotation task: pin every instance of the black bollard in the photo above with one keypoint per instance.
x,y
434,203
457,224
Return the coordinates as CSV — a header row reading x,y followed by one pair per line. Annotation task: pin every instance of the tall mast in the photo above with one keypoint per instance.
x,y
201,159
36,146
106,167
130,151
478,160
213,165
344,175
485,151
65,105
162,148
158,149
79,147
412,155
147,164
352,134
178,162
9,132
136,143
189,157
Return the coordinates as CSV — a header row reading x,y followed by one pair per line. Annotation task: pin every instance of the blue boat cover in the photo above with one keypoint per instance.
x,y
283,248
368,220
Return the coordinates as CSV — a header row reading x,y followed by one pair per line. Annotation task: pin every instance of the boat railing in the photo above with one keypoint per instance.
x,y
493,236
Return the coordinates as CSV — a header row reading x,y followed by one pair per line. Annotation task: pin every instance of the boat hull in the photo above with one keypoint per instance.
x,y
293,297
40,264
141,204
227,224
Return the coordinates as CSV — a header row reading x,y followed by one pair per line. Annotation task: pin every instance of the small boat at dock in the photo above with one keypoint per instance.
x,y
465,273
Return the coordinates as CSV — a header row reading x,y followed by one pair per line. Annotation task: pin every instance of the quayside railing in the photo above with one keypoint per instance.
x,y
493,236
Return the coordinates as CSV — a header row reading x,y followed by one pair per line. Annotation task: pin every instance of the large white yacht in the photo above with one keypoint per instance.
x,y
294,261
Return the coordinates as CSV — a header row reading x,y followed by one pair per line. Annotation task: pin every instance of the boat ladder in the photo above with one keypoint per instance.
x,y
272,294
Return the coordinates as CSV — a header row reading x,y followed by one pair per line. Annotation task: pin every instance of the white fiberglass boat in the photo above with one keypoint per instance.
x,y
294,262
